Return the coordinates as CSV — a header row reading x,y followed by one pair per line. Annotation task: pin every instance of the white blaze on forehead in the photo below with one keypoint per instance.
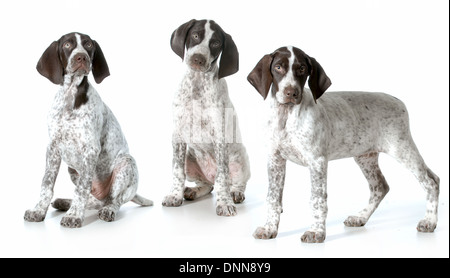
x,y
78,40
288,79
208,33
292,58
79,48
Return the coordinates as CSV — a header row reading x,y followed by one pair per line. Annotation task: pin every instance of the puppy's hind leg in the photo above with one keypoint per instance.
x,y
239,174
237,192
123,188
202,189
195,174
408,155
64,204
378,188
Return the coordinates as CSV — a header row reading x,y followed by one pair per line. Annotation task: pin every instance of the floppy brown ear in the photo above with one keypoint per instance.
x,y
100,68
261,77
50,66
318,80
178,38
229,61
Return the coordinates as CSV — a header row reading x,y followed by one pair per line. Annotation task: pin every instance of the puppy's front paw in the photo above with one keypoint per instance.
x,y
32,215
71,221
226,210
172,201
265,232
313,237
426,226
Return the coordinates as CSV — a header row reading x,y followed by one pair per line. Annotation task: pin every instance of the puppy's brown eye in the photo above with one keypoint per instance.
x,y
302,69
67,45
279,68
88,45
195,36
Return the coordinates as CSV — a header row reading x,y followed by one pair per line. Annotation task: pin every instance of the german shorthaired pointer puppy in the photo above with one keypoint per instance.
x,y
311,128
207,148
86,135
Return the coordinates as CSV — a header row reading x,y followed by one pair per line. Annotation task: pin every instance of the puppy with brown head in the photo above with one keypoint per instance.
x,y
85,135
311,127
207,148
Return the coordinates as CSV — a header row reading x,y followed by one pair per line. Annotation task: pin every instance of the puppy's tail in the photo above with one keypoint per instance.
x,y
142,201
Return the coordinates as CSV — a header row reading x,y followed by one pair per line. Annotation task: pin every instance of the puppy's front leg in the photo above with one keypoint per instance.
x,y
53,159
318,172
225,205
276,171
175,197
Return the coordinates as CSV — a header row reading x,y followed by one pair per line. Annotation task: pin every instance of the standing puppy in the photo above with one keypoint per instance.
x,y
86,135
311,128
207,148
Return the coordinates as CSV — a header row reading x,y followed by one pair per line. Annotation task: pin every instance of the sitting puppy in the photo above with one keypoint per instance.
x,y
207,148
86,135
311,128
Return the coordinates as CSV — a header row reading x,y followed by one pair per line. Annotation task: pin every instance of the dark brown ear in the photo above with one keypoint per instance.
x,y
100,68
50,66
178,38
229,61
318,80
261,77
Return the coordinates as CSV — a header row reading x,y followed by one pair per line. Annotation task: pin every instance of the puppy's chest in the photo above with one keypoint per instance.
x,y
199,87
291,140
290,148
198,108
73,129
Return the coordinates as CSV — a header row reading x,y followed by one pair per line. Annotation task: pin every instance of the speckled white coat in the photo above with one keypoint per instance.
x,y
207,147
88,138
340,125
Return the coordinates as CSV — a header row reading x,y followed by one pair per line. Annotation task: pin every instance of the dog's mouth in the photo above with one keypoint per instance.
x,y
282,99
81,69
198,68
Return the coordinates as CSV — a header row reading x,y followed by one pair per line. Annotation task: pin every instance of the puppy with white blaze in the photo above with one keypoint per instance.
x,y
207,147
310,127
85,135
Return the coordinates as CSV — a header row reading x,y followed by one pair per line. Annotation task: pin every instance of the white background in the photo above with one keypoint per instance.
x,y
398,47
